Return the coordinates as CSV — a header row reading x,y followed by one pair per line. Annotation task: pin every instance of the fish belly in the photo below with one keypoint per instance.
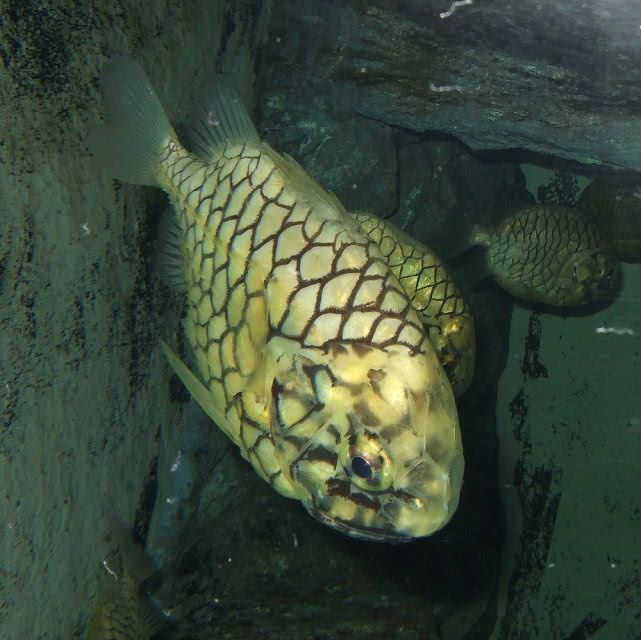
x,y
231,212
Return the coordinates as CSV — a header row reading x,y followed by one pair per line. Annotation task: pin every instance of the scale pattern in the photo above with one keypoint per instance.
x,y
549,254
260,264
121,613
433,293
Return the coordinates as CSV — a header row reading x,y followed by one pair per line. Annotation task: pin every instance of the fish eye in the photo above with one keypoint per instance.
x,y
361,467
367,463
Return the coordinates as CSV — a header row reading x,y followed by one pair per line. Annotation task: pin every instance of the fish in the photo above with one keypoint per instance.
x,y
121,612
550,255
614,208
429,285
307,351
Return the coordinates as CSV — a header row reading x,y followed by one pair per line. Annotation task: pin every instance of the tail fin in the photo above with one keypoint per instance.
x,y
137,128
168,260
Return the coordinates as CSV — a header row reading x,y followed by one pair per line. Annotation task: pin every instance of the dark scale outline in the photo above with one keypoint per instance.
x,y
322,280
284,227
227,148
430,306
245,208
311,239
302,214
279,391
244,173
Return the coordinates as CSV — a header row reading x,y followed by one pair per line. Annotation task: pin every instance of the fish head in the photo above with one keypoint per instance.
x,y
380,457
593,274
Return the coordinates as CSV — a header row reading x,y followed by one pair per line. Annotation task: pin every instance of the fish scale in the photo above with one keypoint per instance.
x,y
302,303
535,236
121,611
548,254
308,352
433,293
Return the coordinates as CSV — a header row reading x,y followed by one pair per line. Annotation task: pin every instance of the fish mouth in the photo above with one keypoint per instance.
x,y
360,532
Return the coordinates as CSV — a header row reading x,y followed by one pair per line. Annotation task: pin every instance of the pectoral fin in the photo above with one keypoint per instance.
x,y
198,390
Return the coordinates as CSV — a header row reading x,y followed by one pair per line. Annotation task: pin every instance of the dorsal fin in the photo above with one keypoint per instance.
x,y
222,117
219,118
305,185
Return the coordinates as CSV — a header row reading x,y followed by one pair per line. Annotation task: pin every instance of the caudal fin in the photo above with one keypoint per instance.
x,y
128,145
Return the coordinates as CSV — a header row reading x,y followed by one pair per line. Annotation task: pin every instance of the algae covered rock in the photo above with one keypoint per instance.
x,y
549,77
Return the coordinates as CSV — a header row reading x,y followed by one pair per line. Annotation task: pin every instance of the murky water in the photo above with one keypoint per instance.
x,y
482,304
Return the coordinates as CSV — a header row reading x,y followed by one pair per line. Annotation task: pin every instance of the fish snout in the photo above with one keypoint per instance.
x,y
596,277
430,499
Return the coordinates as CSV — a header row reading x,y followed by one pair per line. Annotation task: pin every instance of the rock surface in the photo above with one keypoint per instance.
x,y
568,423
554,78
369,97
82,388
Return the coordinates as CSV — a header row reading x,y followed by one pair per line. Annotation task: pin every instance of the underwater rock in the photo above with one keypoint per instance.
x,y
614,207
555,78
190,451
444,190
353,157
83,391
262,568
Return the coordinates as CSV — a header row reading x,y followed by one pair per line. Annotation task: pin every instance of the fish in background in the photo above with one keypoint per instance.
x,y
549,254
308,353
434,294
122,612
614,208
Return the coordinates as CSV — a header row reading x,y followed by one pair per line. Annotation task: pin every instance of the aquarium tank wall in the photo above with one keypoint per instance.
x,y
320,320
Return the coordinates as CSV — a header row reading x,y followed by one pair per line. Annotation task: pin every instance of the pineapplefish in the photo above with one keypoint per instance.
x,y
308,352
551,255
429,285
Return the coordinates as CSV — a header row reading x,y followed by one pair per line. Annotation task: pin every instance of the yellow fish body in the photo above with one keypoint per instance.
x,y
434,294
309,354
615,210
549,254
